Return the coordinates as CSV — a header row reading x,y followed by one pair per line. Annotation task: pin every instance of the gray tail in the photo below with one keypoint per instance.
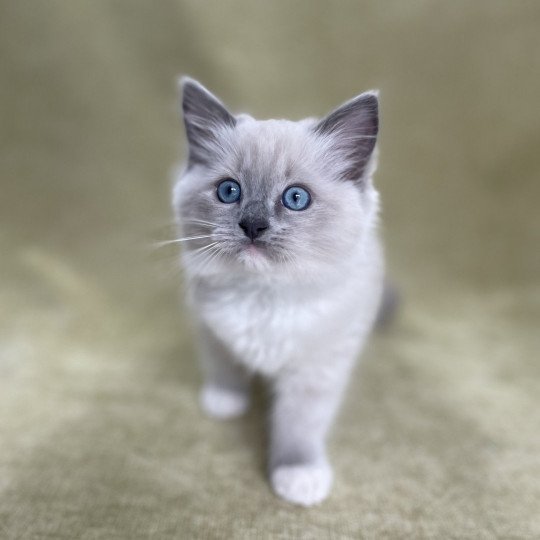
x,y
389,305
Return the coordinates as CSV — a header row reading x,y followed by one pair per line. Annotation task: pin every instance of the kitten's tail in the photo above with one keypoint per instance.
x,y
389,305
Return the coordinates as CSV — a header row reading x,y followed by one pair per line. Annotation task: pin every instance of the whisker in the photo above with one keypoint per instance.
x,y
199,222
179,240
204,259
203,249
216,253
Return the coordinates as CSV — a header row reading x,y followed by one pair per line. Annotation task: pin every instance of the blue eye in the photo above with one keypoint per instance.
x,y
296,198
228,191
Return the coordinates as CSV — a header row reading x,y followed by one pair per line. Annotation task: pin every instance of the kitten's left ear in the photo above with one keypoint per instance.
x,y
204,116
353,128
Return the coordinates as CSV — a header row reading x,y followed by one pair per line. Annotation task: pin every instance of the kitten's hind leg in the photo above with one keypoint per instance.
x,y
225,391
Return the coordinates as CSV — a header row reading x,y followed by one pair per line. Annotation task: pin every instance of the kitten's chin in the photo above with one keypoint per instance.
x,y
254,258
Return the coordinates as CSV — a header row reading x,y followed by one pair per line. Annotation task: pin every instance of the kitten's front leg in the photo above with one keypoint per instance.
x,y
305,404
225,391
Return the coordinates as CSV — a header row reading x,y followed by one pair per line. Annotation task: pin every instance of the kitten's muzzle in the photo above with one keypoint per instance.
x,y
253,226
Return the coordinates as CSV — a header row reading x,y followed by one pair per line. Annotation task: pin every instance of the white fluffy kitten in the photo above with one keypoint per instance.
x,y
284,267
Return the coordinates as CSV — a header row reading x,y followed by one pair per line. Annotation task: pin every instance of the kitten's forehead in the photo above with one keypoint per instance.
x,y
270,149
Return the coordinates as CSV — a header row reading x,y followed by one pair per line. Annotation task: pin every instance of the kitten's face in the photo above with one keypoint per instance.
x,y
273,196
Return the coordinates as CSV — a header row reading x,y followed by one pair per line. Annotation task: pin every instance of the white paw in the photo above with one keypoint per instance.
x,y
305,485
223,403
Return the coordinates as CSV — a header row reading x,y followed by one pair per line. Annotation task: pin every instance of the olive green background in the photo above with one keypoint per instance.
x,y
100,432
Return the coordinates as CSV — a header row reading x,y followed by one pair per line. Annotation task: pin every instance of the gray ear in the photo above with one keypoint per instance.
x,y
204,115
353,127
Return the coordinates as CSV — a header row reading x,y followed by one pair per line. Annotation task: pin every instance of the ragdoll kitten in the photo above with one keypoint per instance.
x,y
284,267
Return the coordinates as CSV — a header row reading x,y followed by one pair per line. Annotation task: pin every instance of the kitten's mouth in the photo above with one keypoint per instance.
x,y
255,250
254,256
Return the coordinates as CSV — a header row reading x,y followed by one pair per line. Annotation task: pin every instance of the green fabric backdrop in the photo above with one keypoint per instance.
x,y
100,432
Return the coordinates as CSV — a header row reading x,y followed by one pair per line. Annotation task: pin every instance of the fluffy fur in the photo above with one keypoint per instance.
x,y
296,304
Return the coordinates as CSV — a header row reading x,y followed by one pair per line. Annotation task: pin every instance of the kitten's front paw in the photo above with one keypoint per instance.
x,y
223,403
305,485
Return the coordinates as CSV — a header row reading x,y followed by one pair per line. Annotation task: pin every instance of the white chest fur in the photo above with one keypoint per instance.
x,y
267,324
260,324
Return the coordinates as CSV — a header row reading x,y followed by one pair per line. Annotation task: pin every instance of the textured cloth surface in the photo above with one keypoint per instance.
x,y
100,432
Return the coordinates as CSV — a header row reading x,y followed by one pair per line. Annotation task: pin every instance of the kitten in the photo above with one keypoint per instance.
x,y
284,267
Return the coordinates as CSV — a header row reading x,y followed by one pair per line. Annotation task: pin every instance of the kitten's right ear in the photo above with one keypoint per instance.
x,y
204,117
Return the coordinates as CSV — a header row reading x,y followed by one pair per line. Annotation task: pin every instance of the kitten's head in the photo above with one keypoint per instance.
x,y
275,196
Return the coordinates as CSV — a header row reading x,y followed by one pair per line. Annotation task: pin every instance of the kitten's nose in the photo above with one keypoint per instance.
x,y
253,227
